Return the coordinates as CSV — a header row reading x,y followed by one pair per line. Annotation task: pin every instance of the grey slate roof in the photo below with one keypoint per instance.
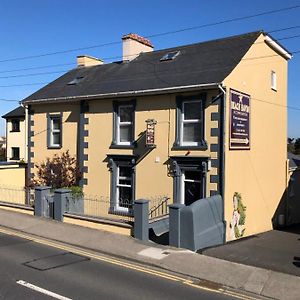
x,y
294,161
201,63
15,113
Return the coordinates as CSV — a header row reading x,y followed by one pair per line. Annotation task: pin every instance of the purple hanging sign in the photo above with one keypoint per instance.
x,y
239,137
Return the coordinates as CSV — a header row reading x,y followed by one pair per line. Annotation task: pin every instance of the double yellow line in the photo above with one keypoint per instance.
x,y
123,264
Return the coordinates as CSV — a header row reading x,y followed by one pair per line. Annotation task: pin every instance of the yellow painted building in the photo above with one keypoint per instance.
x,y
184,123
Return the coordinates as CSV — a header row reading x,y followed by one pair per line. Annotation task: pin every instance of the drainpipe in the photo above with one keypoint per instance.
x,y
222,150
28,149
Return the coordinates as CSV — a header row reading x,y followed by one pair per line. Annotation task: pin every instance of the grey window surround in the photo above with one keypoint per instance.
x,y
187,163
180,100
51,116
114,163
115,143
116,146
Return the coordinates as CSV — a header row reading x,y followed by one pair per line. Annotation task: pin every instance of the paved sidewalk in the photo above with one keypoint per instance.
x,y
248,278
274,250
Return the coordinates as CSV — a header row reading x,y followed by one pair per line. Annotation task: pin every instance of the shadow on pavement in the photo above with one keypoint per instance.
x,y
277,250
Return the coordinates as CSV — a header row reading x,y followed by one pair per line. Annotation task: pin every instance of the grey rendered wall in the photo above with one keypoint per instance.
x,y
201,224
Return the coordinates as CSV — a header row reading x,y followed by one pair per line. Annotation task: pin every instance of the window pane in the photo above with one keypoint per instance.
x,y
56,123
191,132
126,133
56,138
126,114
125,197
191,192
125,172
15,125
15,152
192,110
125,182
192,175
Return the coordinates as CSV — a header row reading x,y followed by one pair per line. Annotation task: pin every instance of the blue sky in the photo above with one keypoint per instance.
x,y
36,27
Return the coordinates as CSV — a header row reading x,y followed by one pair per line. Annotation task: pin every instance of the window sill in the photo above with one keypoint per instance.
x,y
203,146
117,146
54,147
15,158
15,131
274,89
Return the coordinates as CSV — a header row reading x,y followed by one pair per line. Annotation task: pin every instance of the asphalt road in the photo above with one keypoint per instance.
x,y
27,267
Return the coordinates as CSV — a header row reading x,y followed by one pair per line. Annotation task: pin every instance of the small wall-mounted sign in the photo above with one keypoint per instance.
x,y
150,132
239,126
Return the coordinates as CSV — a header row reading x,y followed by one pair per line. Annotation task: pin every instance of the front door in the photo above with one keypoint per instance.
x,y
191,185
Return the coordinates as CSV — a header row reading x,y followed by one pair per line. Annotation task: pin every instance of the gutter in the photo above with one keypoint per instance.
x,y
125,94
277,47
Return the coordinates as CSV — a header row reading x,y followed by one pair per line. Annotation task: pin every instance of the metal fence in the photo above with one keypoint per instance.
x,y
17,195
99,207
158,207
90,206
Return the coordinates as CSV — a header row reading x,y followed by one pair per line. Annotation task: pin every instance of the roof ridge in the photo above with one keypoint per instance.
x,y
207,41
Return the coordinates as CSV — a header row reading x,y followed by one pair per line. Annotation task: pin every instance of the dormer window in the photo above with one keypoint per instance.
x,y
170,56
76,80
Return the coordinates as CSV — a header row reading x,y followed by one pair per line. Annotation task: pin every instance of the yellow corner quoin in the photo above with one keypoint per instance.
x,y
120,263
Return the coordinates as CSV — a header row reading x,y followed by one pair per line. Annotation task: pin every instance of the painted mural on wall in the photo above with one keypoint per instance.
x,y
237,224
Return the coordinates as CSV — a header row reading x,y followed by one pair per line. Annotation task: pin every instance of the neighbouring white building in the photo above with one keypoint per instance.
x,y
16,149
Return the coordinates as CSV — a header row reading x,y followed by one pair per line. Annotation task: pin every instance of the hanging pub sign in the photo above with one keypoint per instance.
x,y
150,132
239,137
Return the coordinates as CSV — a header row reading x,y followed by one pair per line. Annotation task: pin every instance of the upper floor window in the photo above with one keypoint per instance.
x,y
189,123
123,131
15,125
54,132
273,80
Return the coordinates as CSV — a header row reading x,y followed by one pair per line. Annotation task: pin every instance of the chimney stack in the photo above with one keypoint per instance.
x,y
133,45
88,61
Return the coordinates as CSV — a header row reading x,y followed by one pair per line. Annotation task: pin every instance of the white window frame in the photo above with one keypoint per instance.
x,y
119,124
273,80
183,181
118,185
191,121
53,131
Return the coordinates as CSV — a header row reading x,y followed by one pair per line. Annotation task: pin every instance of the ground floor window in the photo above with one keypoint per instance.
x,y
15,153
124,191
189,175
122,188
